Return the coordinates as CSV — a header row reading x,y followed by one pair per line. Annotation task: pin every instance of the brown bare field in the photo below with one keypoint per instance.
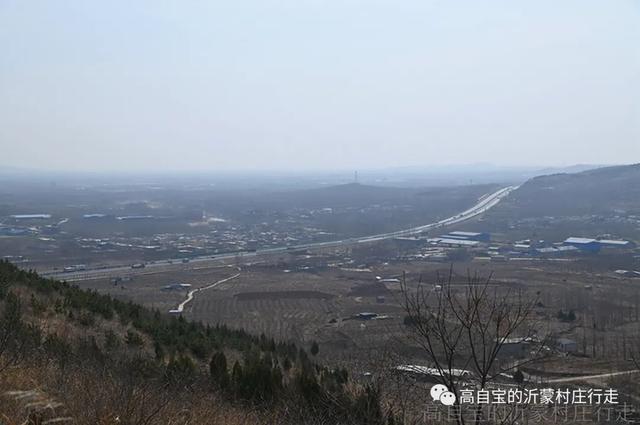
x,y
146,288
277,295
320,304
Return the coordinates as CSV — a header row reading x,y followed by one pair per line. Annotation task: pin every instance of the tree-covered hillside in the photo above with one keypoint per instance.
x,y
71,353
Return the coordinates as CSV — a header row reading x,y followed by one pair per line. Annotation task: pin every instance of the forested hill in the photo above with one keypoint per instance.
x,y
99,360
600,191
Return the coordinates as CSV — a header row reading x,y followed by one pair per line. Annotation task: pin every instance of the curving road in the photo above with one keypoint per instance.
x,y
486,202
191,294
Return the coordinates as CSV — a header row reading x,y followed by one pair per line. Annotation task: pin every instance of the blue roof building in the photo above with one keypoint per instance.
x,y
583,244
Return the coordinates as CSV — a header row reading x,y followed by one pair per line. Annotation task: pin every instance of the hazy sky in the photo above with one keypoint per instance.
x,y
293,84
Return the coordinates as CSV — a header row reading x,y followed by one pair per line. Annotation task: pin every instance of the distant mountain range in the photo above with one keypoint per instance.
x,y
464,174
413,176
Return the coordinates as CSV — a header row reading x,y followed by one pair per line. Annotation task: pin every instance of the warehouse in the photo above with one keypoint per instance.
x,y
31,216
469,236
583,244
556,250
616,244
453,243
517,347
565,345
176,287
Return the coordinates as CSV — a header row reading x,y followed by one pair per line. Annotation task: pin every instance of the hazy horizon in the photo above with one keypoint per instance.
x,y
422,169
303,85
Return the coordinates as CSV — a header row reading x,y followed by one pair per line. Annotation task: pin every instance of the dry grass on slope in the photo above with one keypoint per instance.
x,y
44,394
36,395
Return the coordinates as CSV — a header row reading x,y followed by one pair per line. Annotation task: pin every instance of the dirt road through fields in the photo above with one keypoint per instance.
x,y
191,294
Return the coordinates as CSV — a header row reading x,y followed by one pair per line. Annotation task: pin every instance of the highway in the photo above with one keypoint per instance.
x,y
486,202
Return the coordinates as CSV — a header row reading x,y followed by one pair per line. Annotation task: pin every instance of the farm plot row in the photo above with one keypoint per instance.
x,y
277,317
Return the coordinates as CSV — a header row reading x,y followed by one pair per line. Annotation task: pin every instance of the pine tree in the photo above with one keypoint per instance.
x,y
315,349
159,351
218,370
518,376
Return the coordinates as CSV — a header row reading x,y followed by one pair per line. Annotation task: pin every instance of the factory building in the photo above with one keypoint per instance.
x,y
459,239
616,244
594,245
517,347
93,216
469,236
426,372
565,345
176,287
453,243
14,231
31,216
583,244
555,250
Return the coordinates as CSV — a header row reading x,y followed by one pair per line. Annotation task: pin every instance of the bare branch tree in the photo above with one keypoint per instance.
x,y
462,328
